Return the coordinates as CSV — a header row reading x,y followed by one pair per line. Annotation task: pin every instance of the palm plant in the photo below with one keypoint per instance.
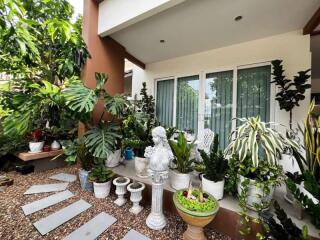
x,y
182,153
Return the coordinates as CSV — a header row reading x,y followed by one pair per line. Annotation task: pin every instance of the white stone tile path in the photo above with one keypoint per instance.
x,y
134,235
93,228
56,219
46,202
56,187
64,177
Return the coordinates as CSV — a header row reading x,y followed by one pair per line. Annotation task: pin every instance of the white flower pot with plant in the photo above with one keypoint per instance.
x,y
101,178
179,175
114,159
121,189
136,189
36,145
215,167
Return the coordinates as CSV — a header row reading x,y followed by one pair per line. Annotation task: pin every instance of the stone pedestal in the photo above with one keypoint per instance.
x,y
156,219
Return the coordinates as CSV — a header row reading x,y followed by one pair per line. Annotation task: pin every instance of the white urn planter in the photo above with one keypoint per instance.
x,y
254,192
121,189
179,180
141,166
101,190
214,188
136,189
36,147
114,159
55,145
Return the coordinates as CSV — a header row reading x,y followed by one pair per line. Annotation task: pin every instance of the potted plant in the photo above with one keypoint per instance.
x,y
197,209
215,167
101,178
136,189
114,158
36,143
179,175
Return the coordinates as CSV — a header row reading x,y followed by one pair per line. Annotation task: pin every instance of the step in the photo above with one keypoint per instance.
x,y
56,219
46,202
56,187
134,235
93,228
64,177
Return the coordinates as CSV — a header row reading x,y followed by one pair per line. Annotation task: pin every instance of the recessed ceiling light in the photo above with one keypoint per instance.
x,y
238,18
162,41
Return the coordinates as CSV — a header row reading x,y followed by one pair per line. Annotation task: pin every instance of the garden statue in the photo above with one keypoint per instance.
x,y
160,155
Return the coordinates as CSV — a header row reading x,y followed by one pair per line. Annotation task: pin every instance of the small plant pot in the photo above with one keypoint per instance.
x,y
121,189
84,183
214,188
254,192
36,147
114,159
55,145
136,196
179,180
141,165
128,154
101,190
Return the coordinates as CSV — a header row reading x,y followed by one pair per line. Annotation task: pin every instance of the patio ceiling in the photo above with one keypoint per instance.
x,y
195,26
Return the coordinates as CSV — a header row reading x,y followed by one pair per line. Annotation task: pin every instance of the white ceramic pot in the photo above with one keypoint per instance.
x,y
254,192
36,147
135,197
55,145
289,164
141,165
114,159
179,180
121,189
101,190
214,188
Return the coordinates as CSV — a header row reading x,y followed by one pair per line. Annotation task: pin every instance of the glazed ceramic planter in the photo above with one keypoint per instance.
x,y
84,183
121,189
101,190
254,192
196,220
141,165
55,145
135,197
36,147
114,159
179,180
214,188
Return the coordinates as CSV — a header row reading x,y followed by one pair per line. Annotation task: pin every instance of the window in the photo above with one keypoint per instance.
x,y
164,103
187,103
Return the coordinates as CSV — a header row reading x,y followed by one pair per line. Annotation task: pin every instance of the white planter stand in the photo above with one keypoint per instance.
x,y
179,180
214,188
135,197
101,190
141,165
121,189
114,159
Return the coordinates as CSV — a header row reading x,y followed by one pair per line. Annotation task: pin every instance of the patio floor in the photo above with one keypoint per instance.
x,y
15,225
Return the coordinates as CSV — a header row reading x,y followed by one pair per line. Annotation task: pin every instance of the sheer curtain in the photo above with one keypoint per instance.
x,y
164,103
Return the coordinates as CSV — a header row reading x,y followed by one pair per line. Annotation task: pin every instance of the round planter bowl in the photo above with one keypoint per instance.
x,y
114,159
254,192
214,188
36,147
141,165
179,180
102,190
195,220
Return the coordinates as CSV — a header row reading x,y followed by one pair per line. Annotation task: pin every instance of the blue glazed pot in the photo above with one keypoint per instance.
x,y
128,154
85,184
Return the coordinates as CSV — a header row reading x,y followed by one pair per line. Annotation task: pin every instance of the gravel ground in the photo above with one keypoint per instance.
x,y
15,225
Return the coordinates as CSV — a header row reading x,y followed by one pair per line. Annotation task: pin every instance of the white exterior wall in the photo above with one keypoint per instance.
x,y
293,48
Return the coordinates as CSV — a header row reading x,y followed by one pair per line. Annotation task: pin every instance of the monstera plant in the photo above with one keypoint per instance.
x,y
100,138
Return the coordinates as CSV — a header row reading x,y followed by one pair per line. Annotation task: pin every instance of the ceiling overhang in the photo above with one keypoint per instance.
x,y
313,25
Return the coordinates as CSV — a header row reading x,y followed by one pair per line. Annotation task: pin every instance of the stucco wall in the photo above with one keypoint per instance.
x,y
293,48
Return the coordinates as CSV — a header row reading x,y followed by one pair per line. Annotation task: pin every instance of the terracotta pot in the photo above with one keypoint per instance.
x,y
196,220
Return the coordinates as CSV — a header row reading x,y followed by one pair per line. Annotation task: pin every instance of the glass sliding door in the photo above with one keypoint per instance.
x,y
164,103
253,92
187,103
218,104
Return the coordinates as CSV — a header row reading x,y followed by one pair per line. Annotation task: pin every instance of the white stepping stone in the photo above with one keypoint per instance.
x,y
56,187
56,219
134,235
64,177
92,229
46,202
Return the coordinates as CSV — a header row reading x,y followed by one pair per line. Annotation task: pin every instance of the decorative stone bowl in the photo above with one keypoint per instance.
x,y
121,189
196,220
